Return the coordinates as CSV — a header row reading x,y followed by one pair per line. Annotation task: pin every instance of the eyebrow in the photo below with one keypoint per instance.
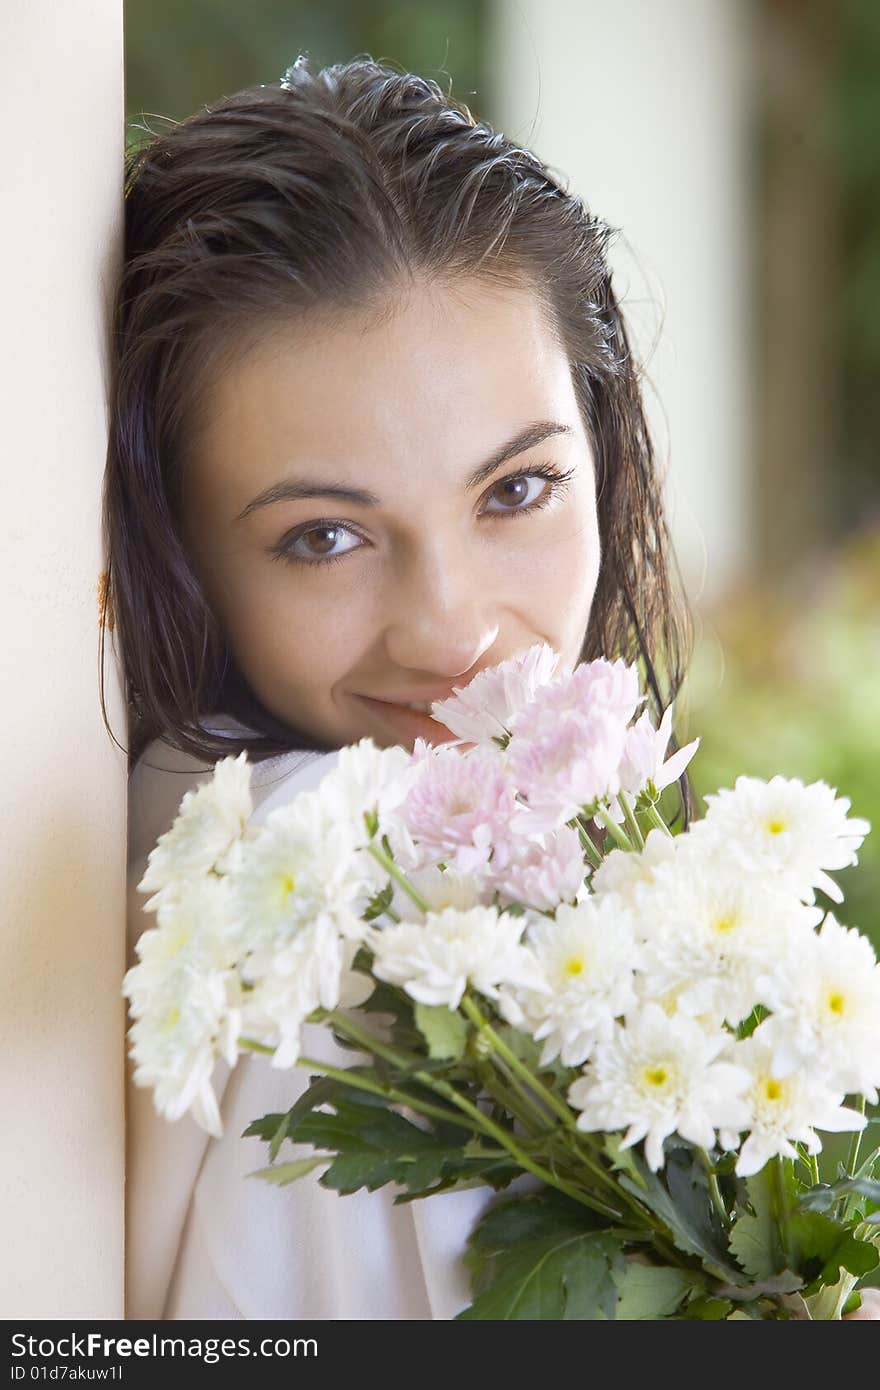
x,y
291,489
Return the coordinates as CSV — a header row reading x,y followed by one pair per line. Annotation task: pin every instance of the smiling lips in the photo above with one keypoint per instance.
x,y
416,722
423,699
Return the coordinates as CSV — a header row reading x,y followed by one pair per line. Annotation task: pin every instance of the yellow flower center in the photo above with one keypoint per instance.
x,y
656,1076
574,966
836,1003
286,885
725,923
773,1088
776,826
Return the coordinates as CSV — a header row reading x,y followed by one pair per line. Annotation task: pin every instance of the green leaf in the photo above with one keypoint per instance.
x,y
622,1160
683,1203
444,1030
282,1173
275,1128
852,1304
458,1175
823,1197
820,1197
709,1309
747,1026
785,1282
652,1291
826,1248
559,1277
528,1051
828,1302
379,903
515,1221
754,1237
530,1216
371,1144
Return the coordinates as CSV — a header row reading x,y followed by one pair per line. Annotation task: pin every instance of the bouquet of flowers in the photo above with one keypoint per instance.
x,y
539,977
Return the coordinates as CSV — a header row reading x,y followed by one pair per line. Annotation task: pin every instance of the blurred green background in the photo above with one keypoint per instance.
x,y
786,673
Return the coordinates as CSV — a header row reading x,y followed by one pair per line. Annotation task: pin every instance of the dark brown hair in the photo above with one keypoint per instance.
x,y
321,194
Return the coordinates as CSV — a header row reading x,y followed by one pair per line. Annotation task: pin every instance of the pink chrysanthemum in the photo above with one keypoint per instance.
x,y
609,688
568,763
543,872
460,810
483,710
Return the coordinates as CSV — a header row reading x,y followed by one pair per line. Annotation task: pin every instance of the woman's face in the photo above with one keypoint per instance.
x,y
371,513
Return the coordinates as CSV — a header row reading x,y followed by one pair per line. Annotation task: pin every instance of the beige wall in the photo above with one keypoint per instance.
x,y
62,847
644,105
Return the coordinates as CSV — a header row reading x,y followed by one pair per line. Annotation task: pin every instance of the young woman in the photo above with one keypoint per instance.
x,y
376,425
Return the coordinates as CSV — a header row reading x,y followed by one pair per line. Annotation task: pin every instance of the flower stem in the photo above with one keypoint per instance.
x,y
389,865
614,830
714,1189
657,820
516,1152
590,850
782,1211
516,1065
856,1143
253,1046
655,1227
632,824
514,1095
488,1126
363,1083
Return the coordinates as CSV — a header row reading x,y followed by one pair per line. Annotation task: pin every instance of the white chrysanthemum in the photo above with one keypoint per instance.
x,y
435,961
786,829
440,888
782,1110
301,864
184,996
367,778
208,824
671,1002
300,975
709,931
174,1046
627,872
586,958
193,924
483,710
826,1010
658,1075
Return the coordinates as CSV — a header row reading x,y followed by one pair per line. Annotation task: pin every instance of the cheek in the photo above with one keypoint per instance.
x,y
558,562
304,630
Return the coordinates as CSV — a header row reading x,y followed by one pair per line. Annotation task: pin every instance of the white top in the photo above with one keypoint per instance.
x,y
205,1241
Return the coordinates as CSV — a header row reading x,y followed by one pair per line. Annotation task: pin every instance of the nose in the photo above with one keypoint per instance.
x,y
442,616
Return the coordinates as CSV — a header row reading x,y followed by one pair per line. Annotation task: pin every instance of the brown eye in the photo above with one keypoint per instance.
x,y
317,545
514,491
321,539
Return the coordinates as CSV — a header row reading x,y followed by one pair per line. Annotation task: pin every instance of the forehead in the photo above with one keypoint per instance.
x,y
445,368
